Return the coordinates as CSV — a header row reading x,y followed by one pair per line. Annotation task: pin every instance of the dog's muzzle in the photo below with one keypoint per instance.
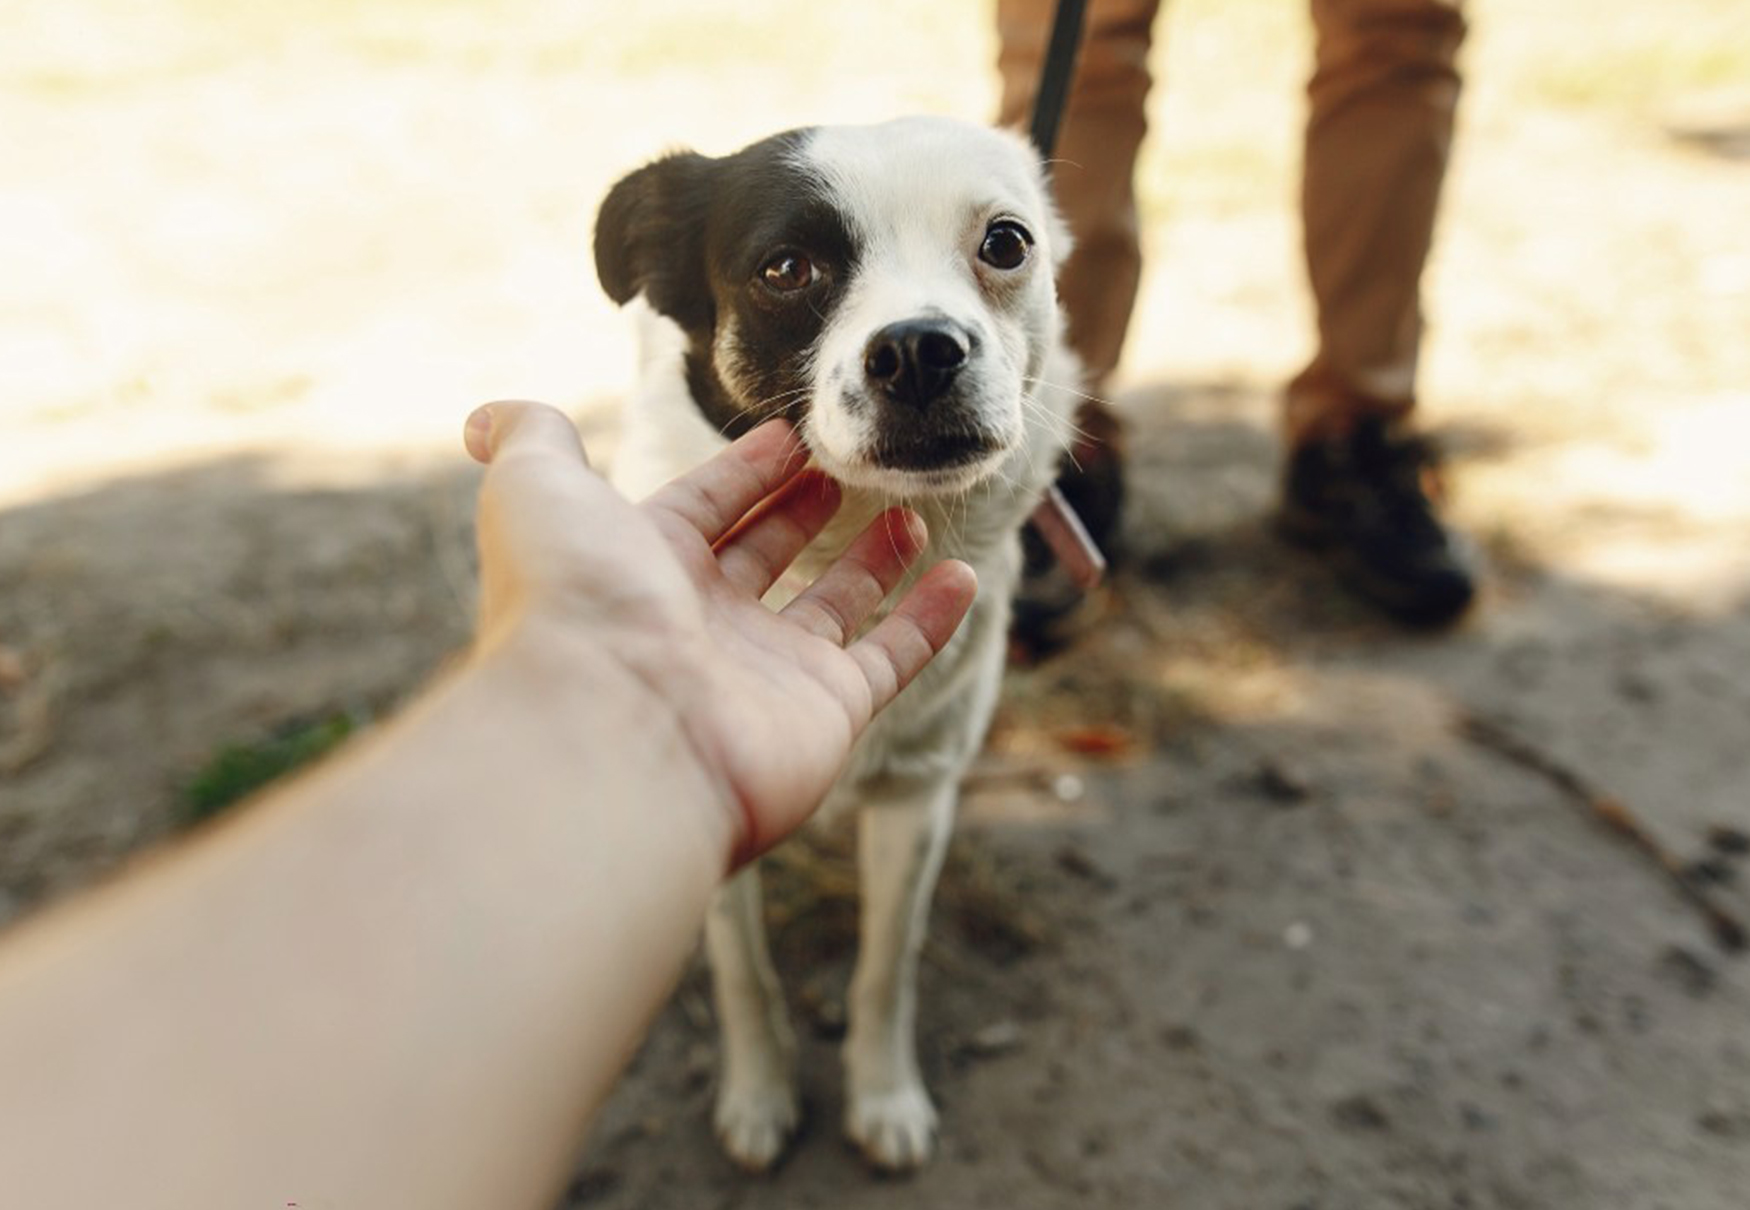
x,y
912,369
915,361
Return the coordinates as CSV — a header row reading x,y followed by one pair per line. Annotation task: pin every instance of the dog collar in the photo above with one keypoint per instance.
x,y
1069,540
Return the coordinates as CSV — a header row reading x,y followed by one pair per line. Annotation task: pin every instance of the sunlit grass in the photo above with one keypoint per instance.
x,y
1642,75
1624,57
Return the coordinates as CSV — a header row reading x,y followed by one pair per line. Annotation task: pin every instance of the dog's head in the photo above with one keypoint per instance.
x,y
889,287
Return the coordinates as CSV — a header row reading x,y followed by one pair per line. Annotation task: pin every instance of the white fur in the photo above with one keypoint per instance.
x,y
921,218
921,192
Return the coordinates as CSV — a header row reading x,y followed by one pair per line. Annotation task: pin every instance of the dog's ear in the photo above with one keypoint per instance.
x,y
649,237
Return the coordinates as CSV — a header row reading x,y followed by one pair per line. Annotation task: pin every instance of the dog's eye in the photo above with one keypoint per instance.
x,y
1006,244
789,271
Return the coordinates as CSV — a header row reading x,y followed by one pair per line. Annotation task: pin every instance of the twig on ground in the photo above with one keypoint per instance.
x,y
1729,932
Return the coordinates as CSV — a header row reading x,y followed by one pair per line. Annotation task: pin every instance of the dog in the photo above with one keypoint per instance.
x,y
891,289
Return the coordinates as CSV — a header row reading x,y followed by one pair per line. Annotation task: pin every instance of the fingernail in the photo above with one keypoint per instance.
x,y
477,433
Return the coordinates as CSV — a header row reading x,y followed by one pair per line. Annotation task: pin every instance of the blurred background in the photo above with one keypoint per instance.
x,y
1258,903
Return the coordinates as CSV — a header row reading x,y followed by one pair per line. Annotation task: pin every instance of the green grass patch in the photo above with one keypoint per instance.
x,y
238,770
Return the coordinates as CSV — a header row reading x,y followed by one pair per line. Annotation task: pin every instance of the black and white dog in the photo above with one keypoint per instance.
x,y
891,289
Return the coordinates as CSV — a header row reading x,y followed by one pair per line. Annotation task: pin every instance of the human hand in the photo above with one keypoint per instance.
x,y
669,590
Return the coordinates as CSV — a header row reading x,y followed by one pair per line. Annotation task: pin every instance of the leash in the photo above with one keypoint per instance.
x,y
1052,96
1054,519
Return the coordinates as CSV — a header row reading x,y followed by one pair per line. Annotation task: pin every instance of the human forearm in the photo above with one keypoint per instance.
x,y
404,981
408,978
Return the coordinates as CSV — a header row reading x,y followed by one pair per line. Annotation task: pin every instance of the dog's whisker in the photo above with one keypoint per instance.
x,y
1042,412
1074,429
1032,462
1077,392
892,536
780,404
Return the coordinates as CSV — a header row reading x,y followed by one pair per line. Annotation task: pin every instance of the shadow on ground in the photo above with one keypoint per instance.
x,y
1238,916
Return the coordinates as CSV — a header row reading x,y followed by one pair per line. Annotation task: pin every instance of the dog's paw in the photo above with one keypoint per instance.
x,y
755,1124
895,1130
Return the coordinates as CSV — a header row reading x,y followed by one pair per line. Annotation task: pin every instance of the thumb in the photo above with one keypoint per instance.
x,y
517,424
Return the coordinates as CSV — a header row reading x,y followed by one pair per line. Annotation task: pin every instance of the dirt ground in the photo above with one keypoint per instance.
x,y
1254,904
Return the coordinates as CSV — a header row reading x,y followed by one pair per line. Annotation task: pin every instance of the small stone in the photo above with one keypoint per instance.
x,y
1298,935
12,673
1359,1112
1725,1124
1712,871
1280,784
1074,862
1734,842
1077,864
1688,970
1636,687
997,1038
1476,1119
591,1184
1180,1037
1068,787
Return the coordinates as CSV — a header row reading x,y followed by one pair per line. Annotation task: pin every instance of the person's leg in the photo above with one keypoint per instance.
x,y
1095,158
1382,98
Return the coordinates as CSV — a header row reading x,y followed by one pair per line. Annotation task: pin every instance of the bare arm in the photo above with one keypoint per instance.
x,y
409,978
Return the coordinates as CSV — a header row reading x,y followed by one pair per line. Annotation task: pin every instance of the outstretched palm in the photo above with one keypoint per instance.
x,y
770,702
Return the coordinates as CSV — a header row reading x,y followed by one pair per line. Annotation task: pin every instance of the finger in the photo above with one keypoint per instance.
x,y
759,550
918,628
718,493
860,579
506,424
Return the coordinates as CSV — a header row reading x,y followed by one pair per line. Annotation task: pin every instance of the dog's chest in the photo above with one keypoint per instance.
x,y
977,528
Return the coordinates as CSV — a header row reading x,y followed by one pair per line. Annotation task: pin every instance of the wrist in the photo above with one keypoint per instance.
x,y
587,703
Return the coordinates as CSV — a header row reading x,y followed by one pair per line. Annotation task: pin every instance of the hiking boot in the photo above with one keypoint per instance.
x,y
1367,501
1048,606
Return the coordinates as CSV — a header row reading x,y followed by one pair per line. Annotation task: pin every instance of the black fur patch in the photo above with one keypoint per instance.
x,y
693,233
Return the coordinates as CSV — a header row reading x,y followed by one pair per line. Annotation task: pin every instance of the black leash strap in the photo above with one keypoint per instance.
x,y
1059,69
1054,520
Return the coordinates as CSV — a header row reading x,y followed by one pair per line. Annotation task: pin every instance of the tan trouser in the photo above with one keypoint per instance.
x,y
1382,96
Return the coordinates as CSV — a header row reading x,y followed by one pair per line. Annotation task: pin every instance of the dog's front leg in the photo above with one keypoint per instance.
x,y
901,842
756,1099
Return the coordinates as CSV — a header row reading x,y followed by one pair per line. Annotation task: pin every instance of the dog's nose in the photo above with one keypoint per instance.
x,y
914,360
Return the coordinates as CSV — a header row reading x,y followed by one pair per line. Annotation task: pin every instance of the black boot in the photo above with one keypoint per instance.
x,y
1364,501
